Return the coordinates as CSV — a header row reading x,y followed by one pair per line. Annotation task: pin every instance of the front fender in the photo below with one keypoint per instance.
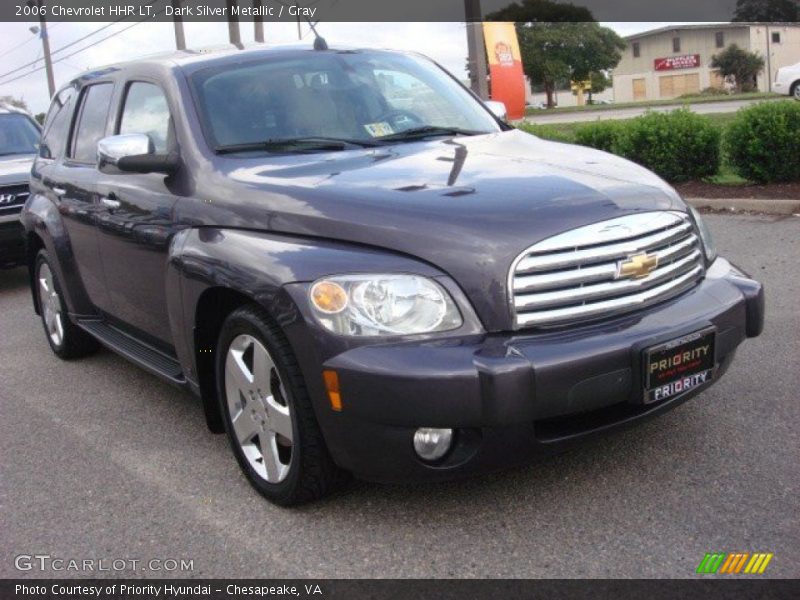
x,y
41,218
261,266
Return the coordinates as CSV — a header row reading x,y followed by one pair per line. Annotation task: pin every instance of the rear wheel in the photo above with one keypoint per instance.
x,y
271,425
66,339
796,90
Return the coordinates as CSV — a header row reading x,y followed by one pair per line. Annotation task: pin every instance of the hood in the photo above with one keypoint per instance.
x,y
15,168
468,205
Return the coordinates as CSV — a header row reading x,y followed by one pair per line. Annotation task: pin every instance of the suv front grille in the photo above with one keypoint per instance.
x,y
587,273
12,198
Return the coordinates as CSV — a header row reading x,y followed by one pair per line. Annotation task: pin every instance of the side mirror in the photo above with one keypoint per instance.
x,y
498,109
133,153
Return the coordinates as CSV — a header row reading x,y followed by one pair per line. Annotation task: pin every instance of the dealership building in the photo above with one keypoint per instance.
x,y
673,61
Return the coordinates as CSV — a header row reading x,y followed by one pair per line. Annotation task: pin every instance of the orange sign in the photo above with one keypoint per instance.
x,y
505,67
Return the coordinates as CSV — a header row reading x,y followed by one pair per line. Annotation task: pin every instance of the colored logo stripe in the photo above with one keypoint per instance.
x,y
734,562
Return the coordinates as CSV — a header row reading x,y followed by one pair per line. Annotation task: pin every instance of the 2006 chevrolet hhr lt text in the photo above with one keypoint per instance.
x,y
360,268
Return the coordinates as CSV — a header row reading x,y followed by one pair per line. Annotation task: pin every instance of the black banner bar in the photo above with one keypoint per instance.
x,y
414,589
395,11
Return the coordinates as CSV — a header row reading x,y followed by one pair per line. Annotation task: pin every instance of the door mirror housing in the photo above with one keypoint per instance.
x,y
498,109
133,153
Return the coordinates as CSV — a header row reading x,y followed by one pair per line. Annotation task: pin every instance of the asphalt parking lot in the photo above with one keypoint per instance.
x,y
101,460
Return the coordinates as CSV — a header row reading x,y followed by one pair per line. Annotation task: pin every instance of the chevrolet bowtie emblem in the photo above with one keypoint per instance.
x,y
637,267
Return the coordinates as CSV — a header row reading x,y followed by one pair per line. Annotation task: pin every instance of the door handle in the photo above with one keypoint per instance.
x,y
111,203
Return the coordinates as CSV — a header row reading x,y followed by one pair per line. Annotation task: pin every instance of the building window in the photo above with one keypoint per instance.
x,y
637,50
776,37
720,39
676,44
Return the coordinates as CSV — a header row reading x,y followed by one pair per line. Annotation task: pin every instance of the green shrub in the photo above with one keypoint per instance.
x,y
679,145
763,142
602,135
547,132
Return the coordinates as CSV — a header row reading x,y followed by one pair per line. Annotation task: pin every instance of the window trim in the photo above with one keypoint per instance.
x,y
77,117
123,98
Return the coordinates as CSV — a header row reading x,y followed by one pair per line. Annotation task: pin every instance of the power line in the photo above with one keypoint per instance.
x,y
71,54
62,48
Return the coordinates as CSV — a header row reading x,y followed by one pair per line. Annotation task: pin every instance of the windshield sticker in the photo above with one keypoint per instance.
x,y
379,129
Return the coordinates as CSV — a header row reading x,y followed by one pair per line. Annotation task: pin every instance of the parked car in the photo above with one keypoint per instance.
x,y
787,81
402,294
19,139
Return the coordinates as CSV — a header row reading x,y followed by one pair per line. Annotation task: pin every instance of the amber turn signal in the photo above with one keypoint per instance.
x,y
329,297
332,385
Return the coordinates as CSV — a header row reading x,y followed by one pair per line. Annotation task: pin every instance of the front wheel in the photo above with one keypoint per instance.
x,y
796,91
267,411
66,339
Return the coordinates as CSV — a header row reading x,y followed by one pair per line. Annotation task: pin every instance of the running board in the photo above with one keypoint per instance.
x,y
137,352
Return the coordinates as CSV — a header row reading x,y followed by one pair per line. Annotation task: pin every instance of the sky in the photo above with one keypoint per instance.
x,y
444,42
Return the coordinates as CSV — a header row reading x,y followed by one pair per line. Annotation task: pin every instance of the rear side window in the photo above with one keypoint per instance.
x,y
56,126
146,111
91,127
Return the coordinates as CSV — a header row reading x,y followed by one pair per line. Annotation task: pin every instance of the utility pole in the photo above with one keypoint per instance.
x,y
177,20
234,34
475,45
258,22
48,62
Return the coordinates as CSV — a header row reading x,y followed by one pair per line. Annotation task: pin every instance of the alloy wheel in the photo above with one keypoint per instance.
x,y
50,305
259,409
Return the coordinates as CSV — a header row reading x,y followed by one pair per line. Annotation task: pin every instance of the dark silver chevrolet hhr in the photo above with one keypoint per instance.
x,y
361,269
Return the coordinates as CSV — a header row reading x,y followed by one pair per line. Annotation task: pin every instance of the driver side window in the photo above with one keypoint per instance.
x,y
146,111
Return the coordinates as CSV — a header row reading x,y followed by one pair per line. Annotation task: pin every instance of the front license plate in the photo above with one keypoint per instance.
x,y
679,365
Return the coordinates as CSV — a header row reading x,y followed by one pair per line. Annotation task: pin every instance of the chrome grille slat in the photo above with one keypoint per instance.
x,y
603,290
573,276
592,255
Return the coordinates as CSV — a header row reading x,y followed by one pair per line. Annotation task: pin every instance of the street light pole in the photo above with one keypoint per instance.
x,y
177,20
258,22
234,34
48,62
475,46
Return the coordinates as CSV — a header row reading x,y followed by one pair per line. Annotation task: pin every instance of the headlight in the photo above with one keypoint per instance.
x,y
705,235
380,305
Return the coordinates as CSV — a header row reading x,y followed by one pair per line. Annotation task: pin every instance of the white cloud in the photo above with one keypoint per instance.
x,y
444,42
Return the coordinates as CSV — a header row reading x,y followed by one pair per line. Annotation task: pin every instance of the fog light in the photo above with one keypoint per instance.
x,y
432,444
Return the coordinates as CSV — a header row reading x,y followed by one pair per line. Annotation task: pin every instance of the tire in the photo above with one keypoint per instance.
x,y
67,340
267,412
796,90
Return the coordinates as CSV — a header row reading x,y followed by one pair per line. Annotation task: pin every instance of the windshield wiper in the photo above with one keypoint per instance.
x,y
427,131
300,144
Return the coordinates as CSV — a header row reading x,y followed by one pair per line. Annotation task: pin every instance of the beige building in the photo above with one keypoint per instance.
x,y
673,61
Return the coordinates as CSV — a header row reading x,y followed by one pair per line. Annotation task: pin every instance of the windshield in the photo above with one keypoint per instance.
x,y
18,135
352,96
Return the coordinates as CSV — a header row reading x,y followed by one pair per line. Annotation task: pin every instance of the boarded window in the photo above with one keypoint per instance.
x,y
672,86
639,89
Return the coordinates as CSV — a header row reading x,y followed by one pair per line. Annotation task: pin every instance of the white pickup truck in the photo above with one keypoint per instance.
x,y
787,81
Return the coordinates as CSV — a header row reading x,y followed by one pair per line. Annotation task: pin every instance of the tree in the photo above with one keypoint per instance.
x,y
15,102
740,64
761,11
541,11
600,83
553,52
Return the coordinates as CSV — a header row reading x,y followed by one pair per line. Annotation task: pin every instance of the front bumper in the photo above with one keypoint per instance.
x,y
12,241
513,396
